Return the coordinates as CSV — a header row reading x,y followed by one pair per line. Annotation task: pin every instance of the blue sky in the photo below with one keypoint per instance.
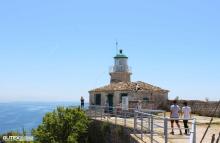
x,y
58,50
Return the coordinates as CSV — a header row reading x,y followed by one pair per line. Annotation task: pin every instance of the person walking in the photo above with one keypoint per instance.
x,y
139,105
175,114
106,106
186,111
106,109
82,102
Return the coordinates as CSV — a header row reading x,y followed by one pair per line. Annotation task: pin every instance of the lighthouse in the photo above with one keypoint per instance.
x,y
120,72
121,86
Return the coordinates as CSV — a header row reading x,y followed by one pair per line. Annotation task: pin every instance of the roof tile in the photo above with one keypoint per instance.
x,y
129,86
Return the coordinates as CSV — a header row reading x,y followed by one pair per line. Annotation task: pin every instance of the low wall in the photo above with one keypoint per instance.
x,y
200,107
103,132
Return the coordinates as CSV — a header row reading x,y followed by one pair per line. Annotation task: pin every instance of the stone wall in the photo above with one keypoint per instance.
x,y
156,100
200,107
120,76
103,132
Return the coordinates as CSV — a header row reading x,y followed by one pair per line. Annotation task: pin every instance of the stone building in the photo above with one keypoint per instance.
x,y
151,97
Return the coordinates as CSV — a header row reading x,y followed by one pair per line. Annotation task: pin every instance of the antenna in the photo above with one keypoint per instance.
x,y
116,46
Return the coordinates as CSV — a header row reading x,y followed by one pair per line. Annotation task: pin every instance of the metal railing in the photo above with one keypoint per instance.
x,y
144,125
119,68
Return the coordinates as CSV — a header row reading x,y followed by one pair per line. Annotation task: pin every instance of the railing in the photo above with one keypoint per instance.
x,y
121,68
158,126
144,125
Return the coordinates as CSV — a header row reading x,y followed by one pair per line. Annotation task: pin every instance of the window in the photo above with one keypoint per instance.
x,y
146,99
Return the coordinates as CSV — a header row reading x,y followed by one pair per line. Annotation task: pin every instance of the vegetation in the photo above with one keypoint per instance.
x,y
206,99
177,98
63,125
68,125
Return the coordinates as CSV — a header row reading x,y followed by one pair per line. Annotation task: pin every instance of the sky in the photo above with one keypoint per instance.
x,y
52,50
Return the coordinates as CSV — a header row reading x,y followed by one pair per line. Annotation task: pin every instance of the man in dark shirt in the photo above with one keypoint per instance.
x,y
82,102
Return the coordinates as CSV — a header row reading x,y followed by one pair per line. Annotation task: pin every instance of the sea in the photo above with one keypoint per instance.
x,y
16,116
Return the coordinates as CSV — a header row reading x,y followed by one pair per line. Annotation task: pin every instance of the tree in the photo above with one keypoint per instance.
x,y
206,99
177,98
61,126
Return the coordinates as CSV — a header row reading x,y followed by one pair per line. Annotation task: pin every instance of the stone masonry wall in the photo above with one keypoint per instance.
x,y
103,132
200,107
120,76
155,100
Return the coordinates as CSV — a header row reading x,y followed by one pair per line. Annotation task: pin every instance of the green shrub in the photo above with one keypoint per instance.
x,y
61,126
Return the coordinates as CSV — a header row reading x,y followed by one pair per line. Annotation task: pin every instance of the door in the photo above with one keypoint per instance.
x,y
123,95
110,102
98,99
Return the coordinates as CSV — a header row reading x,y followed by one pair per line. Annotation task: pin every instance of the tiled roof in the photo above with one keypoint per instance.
x,y
128,86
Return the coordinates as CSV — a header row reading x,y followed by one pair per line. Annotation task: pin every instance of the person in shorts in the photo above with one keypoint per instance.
x,y
186,111
174,114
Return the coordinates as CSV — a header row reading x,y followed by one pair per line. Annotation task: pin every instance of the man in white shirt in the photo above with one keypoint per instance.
x,y
186,111
174,114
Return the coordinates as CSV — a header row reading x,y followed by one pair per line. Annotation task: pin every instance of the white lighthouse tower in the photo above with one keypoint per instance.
x,y
120,72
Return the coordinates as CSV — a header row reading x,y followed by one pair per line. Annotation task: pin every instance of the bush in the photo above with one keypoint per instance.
x,y
61,126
